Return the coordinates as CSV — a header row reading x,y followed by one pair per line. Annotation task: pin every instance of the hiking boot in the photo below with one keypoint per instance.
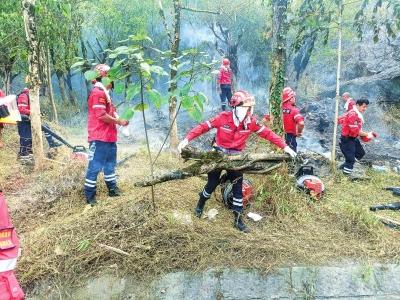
x,y
91,202
198,211
26,159
115,192
238,222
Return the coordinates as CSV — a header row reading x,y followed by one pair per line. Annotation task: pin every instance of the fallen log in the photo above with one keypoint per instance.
x,y
204,162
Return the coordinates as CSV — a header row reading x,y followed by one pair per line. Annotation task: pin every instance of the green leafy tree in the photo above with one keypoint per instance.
x,y
12,42
59,31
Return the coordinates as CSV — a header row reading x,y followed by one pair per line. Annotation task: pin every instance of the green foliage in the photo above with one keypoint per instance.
x,y
13,52
59,29
385,15
131,62
313,19
132,91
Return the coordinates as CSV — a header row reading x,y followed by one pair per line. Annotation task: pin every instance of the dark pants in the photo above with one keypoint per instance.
x,y
25,137
226,95
102,156
235,177
351,149
290,140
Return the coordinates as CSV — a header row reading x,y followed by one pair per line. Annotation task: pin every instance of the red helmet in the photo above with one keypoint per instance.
x,y
242,98
287,94
226,62
102,69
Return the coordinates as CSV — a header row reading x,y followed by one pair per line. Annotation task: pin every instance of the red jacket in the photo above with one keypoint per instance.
x,y
291,117
351,123
2,94
98,105
23,103
9,252
349,104
224,75
231,137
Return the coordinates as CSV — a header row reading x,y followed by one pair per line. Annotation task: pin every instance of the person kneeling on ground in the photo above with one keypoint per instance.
x,y
233,129
102,137
350,144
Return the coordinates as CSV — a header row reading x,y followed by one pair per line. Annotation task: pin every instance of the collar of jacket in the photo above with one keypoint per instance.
x,y
100,85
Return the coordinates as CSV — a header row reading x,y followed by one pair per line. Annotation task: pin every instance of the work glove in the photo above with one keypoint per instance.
x,y
370,135
122,122
289,151
182,145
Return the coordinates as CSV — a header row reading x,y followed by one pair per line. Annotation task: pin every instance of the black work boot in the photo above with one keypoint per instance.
x,y
91,202
238,222
115,192
198,211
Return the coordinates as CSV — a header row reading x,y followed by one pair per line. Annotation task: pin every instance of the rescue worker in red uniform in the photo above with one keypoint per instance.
x,y
102,137
352,122
25,130
224,83
233,130
1,124
9,252
293,121
348,101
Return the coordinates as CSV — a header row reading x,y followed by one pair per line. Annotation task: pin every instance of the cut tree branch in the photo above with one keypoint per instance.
x,y
204,162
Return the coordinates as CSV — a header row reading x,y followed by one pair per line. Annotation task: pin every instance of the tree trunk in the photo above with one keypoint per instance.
x,y
85,57
50,86
339,60
7,81
174,140
71,93
278,60
28,11
61,84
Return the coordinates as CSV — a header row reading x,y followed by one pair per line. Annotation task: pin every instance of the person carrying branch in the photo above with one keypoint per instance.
x,y
224,83
293,121
233,129
352,122
102,137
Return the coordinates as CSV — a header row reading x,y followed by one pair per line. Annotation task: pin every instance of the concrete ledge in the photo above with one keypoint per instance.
x,y
378,281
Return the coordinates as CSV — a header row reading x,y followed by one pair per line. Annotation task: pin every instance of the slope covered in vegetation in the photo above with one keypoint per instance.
x,y
63,240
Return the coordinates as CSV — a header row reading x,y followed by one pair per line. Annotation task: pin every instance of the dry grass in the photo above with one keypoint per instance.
x,y
61,238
